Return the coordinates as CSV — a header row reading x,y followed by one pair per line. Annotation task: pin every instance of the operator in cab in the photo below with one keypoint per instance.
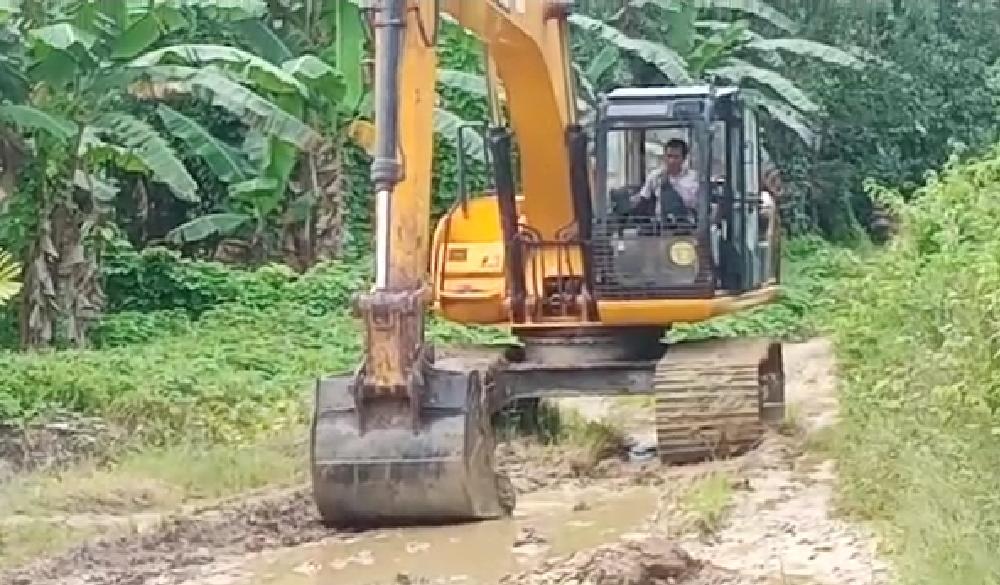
x,y
674,183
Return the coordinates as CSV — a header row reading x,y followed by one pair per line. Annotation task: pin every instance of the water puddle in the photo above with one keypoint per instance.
x,y
469,553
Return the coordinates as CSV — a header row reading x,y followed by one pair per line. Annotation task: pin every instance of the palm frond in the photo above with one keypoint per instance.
x,y
665,59
10,271
783,115
206,226
807,48
738,71
448,124
224,161
264,75
142,142
253,110
466,82
31,118
756,8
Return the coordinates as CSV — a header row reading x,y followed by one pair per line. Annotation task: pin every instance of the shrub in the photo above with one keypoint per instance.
x,y
918,336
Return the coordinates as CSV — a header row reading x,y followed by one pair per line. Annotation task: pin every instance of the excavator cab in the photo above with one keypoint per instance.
x,y
664,246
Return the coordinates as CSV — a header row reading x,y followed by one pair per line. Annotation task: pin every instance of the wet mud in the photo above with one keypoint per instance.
x,y
616,523
546,523
171,551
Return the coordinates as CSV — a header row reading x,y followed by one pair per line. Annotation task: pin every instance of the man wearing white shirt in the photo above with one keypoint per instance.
x,y
675,185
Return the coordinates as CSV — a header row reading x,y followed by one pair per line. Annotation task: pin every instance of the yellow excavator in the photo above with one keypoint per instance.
x,y
588,277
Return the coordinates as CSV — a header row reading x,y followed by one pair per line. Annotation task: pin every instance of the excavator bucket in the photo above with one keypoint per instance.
x,y
375,464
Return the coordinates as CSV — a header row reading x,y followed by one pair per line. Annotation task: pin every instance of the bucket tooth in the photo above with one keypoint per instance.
x,y
717,398
376,469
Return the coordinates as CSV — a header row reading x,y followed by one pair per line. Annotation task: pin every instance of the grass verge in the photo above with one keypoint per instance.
x,y
919,358
158,479
45,513
22,542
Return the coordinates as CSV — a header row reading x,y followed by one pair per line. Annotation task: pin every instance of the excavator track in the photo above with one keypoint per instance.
x,y
716,399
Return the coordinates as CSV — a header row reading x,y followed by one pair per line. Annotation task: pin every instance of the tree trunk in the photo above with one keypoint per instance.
x,y
318,235
40,305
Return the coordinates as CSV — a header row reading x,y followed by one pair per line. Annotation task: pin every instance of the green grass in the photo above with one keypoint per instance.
x,y
235,375
22,542
594,440
706,501
232,373
159,479
45,513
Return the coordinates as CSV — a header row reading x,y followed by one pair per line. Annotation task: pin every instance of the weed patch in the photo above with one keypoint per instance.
x,y
706,501
22,542
48,513
594,440
917,343
159,479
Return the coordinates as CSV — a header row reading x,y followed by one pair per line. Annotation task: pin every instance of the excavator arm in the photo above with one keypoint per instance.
x,y
528,44
404,440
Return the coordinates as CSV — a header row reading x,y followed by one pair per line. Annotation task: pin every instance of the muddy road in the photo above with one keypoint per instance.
x,y
763,518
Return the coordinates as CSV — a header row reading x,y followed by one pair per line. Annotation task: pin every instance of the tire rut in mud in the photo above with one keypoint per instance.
x,y
174,549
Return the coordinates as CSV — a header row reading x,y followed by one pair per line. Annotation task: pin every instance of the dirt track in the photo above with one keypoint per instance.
x,y
776,526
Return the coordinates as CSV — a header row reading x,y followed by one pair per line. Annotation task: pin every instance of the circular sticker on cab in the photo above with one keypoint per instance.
x,y
683,254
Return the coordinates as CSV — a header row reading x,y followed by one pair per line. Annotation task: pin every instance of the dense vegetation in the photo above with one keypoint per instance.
x,y
917,335
184,188
226,129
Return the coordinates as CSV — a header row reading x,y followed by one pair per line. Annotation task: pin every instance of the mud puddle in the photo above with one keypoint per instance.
x,y
554,522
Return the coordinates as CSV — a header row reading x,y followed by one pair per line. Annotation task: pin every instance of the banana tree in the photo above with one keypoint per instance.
x,y
291,199
259,173
84,66
685,41
310,220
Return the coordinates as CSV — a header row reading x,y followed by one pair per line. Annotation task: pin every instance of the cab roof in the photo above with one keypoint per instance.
x,y
664,92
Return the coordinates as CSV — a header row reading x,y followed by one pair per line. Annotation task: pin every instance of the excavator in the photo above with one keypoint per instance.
x,y
557,252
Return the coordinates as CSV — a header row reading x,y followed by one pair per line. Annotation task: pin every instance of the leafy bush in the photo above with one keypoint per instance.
x,y
235,372
195,348
201,351
159,279
918,341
